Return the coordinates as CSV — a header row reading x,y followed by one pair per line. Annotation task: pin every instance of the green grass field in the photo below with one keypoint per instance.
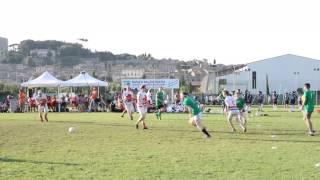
x,y
106,146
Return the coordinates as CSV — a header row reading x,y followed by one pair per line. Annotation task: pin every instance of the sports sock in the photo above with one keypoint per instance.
x,y
205,132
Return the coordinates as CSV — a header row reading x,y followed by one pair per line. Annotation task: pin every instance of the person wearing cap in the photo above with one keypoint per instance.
x,y
21,100
194,113
232,110
41,100
142,107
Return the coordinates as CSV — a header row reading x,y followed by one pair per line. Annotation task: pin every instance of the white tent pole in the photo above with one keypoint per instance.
x,y
59,105
172,100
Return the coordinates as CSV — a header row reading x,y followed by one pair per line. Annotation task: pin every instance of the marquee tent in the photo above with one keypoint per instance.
x,y
82,80
44,80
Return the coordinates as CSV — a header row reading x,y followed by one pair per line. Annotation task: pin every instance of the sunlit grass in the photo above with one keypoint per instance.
x,y
106,146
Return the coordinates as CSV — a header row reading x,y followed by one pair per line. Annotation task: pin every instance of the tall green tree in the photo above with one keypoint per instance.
x,y
267,85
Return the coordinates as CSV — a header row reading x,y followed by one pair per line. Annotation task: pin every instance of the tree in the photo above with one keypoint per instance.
x,y
49,54
94,74
109,79
30,61
14,57
300,91
190,88
267,86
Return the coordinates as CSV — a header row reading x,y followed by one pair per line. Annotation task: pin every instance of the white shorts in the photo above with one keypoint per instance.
x,y
232,113
142,110
43,109
129,106
197,120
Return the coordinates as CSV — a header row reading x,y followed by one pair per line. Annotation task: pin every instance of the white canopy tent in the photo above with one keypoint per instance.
x,y
83,80
44,80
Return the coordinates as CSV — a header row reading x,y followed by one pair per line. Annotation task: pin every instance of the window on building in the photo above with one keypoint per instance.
x,y
254,80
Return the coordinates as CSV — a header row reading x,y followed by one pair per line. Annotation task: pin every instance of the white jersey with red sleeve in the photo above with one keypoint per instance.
x,y
127,96
142,99
230,103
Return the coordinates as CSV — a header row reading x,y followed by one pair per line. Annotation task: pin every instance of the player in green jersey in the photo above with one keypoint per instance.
x,y
194,112
159,102
308,107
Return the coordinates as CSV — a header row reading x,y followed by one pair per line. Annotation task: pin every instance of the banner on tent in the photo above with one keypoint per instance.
x,y
151,83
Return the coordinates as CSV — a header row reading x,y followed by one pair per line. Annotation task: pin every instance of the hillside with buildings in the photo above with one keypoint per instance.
x,y
28,59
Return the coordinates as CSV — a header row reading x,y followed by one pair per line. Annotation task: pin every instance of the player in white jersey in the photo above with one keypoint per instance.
x,y
142,106
127,97
41,100
232,110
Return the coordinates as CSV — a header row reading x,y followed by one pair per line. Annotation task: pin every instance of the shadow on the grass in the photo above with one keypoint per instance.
x,y
254,132
270,140
9,160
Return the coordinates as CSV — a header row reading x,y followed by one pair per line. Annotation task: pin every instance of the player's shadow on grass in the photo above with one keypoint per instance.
x,y
270,140
286,130
9,160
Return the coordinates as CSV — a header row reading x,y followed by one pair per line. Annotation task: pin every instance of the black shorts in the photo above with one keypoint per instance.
x,y
286,102
159,106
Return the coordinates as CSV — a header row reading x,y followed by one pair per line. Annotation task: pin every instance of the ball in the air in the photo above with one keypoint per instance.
x,y
72,130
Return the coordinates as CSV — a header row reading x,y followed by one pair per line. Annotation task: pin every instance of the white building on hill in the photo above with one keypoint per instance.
x,y
285,73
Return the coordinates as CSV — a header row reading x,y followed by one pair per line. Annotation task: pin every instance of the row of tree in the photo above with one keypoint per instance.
x,y
65,53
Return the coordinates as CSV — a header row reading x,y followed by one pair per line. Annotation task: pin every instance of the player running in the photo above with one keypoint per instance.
x,y
240,105
41,100
308,107
194,113
127,97
159,102
142,106
232,111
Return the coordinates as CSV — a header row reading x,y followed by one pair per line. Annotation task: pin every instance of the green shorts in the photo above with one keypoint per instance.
x,y
307,114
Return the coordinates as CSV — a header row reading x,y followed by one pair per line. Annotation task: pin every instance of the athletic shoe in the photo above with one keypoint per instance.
x,y
145,128
206,136
311,133
245,130
137,126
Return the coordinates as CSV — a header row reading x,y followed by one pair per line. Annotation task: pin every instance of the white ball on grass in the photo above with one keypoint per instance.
x,y
72,129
